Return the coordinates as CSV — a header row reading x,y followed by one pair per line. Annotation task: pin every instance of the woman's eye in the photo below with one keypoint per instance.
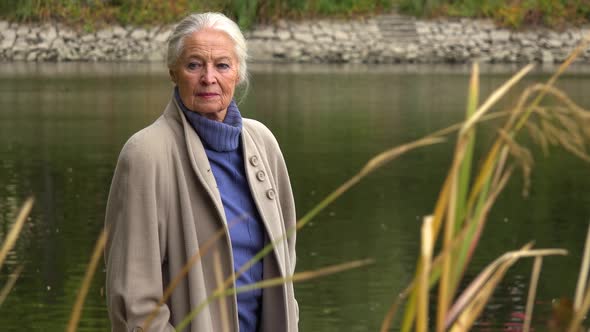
x,y
193,65
223,66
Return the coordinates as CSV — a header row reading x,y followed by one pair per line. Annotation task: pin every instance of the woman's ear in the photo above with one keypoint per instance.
x,y
172,75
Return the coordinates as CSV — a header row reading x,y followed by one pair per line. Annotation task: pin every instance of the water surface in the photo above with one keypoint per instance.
x,y
63,125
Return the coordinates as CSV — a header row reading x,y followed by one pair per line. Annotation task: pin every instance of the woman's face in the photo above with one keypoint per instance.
x,y
206,73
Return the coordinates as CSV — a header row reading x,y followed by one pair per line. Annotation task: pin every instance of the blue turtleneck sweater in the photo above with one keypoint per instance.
x,y
222,143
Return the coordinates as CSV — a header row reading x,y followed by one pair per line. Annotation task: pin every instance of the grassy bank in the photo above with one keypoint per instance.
x,y
511,13
92,13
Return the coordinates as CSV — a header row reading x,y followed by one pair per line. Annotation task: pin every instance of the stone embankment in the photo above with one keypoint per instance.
x,y
380,39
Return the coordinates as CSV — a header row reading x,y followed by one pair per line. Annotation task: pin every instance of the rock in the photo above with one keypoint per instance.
x,y
32,56
153,32
554,43
340,35
87,39
547,57
264,33
119,32
303,37
500,36
18,56
9,37
48,34
163,36
67,34
139,34
22,30
324,40
104,34
284,34
4,25
155,56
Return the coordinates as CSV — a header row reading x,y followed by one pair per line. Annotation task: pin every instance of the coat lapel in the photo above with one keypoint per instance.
x,y
198,158
264,193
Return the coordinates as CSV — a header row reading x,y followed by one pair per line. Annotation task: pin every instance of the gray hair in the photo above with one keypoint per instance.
x,y
217,21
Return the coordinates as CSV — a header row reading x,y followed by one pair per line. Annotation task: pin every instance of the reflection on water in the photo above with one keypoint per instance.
x,y
62,126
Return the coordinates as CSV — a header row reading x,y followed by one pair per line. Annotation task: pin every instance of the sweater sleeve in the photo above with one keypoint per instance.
x,y
135,246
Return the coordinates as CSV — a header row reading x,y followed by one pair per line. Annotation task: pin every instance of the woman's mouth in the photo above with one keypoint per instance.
x,y
207,95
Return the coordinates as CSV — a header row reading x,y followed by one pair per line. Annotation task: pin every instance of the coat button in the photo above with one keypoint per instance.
x,y
270,194
254,161
261,176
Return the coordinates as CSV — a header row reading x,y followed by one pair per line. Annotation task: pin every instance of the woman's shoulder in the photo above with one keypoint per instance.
x,y
259,131
149,142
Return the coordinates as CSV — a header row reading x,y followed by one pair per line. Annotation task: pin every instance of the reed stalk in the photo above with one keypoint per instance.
x,y
473,299
423,284
297,277
79,304
10,283
532,293
12,236
222,300
583,277
183,272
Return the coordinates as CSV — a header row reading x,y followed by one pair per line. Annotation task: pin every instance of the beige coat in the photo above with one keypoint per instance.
x,y
164,205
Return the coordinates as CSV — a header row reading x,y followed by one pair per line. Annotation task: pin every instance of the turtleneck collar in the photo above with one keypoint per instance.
x,y
219,136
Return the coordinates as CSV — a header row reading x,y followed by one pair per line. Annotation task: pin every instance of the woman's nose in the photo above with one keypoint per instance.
x,y
208,75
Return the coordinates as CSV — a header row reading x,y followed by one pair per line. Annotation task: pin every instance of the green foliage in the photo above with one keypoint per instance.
x,y
138,12
511,13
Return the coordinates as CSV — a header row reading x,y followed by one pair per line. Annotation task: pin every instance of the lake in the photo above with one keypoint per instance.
x,y
63,125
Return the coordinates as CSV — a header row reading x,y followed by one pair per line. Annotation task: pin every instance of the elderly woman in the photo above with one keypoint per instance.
x,y
198,170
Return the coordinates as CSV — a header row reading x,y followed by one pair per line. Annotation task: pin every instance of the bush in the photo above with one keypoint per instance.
x,y
511,13
139,12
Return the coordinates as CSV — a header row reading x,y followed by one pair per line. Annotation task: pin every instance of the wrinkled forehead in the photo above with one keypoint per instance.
x,y
210,43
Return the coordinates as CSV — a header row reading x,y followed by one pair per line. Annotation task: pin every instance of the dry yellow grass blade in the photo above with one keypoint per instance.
x,y
470,313
174,283
222,300
447,283
532,293
372,165
96,255
474,298
390,315
580,314
469,294
304,276
297,277
12,236
10,283
494,97
423,282
583,277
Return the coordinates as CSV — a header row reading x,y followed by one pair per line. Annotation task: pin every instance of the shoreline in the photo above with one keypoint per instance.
x,y
382,39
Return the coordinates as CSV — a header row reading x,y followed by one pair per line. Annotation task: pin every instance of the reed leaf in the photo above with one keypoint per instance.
x,y
532,293
297,277
83,291
12,236
471,291
562,68
583,277
469,305
465,170
372,165
10,283
495,97
580,314
222,300
423,282
174,283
